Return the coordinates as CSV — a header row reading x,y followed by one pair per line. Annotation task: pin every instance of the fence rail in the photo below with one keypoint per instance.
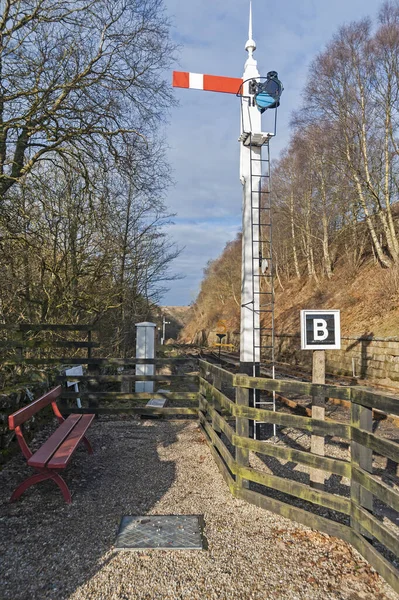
x,y
225,423
103,393
36,343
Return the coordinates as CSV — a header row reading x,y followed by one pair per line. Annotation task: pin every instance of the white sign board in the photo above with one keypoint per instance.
x,y
75,371
320,330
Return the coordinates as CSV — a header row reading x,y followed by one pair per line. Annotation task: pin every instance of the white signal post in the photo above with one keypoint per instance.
x,y
251,125
252,139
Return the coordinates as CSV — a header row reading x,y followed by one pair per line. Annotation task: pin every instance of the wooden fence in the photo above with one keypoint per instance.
x,y
102,388
225,421
37,343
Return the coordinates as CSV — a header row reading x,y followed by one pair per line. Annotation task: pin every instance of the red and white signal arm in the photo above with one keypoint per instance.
x,y
208,83
320,330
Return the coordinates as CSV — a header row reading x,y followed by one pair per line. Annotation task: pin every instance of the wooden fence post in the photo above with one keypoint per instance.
x,y
242,429
217,383
93,370
317,477
20,350
361,418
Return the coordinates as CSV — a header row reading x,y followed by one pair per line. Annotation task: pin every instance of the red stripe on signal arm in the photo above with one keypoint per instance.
x,y
212,83
181,79
227,85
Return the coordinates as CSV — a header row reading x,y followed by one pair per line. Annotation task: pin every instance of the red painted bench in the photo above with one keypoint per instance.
x,y
57,450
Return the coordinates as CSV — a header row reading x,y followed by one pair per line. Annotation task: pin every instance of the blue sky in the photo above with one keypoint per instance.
x,y
204,128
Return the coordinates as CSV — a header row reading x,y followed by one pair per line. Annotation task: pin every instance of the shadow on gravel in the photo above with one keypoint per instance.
x,y
49,548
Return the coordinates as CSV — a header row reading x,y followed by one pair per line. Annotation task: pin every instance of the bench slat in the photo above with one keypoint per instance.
x,y
25,413
62,456
43,455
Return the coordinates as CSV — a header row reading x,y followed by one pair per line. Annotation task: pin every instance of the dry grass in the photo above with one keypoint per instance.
x,y
369,301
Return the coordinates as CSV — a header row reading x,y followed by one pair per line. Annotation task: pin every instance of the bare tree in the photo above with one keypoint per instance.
x,y
355,93
78,75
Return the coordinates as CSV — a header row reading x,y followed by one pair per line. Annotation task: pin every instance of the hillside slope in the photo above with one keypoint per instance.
x,y
368,298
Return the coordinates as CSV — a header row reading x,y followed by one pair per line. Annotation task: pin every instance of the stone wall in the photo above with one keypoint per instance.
x,y
372,358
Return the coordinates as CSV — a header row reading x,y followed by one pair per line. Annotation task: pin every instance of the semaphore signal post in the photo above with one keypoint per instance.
x,y
257,294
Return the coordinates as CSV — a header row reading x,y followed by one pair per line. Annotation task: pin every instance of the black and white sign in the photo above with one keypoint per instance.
x,y
320,330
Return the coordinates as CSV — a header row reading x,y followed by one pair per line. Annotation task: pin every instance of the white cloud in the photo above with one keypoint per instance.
x,y
203,242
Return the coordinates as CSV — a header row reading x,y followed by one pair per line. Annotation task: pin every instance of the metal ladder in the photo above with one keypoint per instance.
x,y
262,268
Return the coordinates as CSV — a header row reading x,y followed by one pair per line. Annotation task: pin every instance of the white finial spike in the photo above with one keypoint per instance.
x,y
250,46
250,21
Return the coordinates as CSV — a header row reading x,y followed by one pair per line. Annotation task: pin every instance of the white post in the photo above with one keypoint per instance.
x,y
145,348
250,123
164,323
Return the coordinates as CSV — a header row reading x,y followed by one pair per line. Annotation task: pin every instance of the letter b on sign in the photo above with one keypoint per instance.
x,y
320,330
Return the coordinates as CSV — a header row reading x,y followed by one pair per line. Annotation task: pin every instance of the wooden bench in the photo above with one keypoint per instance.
x,y
56,452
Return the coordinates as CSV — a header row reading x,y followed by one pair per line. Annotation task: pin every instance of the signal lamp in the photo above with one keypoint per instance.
x,y
268,93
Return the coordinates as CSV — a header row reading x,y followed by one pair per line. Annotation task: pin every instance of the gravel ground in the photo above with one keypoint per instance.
x,y
50,550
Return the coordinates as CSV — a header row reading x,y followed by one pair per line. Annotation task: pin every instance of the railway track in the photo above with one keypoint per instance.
x,y
303,374
303,405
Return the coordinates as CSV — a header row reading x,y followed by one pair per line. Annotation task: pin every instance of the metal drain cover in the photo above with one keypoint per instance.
x,y
161,532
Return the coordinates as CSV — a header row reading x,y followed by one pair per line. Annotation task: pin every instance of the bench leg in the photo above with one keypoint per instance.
x,y
63,487
37,478
88,445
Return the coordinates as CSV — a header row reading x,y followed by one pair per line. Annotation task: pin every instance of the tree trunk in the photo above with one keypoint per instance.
x,y
293,236
382,257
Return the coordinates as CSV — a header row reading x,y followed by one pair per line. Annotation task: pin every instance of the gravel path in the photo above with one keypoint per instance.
x,y
50,550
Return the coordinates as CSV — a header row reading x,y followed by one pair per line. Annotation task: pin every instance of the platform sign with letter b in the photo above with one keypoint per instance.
x,y
320,330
